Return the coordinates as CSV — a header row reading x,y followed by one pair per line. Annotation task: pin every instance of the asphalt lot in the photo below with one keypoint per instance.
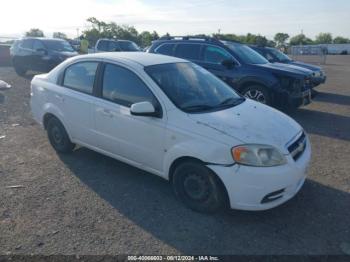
x,y
86,203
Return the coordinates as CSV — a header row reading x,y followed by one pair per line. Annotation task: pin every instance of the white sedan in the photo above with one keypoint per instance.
x,y
174,119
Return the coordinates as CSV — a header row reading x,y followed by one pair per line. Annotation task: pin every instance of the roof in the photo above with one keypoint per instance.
x,y
42,38
142,58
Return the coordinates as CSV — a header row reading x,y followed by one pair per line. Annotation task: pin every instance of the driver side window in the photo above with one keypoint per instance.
x,y
122,86
215,55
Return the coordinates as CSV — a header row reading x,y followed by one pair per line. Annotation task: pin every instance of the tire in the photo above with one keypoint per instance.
x,y
19,70
58,136
257,93
198,188
314,93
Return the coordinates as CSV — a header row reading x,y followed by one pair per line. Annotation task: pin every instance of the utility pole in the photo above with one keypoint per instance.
x,y
77,33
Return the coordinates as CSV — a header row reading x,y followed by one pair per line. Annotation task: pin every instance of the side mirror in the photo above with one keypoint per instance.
x,y
143,109
229,63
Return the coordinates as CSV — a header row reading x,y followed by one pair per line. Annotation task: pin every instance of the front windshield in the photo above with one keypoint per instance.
x,y
128,46
60,46
192,88
246,54
279,55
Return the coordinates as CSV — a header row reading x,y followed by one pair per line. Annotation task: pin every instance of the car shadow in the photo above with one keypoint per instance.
x,y
332,98
2,98
314,222
323,124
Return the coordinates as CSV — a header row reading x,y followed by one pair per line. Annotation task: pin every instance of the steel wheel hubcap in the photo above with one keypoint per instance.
x,y
57,135
255,95
196,187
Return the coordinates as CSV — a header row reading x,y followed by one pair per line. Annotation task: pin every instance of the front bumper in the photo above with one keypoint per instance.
x,y
303,99
319,80
248,187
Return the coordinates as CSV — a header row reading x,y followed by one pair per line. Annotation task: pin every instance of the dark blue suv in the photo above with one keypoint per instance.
x,y
243,69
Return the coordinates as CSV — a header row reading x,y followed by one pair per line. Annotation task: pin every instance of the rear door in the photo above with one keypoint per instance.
x,y
138,140
189,51
75,100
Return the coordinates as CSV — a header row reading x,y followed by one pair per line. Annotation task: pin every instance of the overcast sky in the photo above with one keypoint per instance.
x,y
180,17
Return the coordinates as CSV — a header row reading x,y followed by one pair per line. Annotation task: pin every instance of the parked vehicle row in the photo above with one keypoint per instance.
x,y
175,119
267,75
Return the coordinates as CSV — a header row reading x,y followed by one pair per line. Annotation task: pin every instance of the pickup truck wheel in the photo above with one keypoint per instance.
x,y
257,93
197,187
58,136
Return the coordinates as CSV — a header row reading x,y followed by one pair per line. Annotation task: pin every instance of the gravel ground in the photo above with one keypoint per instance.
x,y
87,203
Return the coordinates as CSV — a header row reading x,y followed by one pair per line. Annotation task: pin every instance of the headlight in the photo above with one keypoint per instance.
x,y
258,155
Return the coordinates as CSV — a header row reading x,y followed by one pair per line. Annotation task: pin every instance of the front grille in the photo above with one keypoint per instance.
x,y
297,148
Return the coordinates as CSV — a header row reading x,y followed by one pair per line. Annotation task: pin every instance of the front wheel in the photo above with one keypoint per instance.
x,y
257,93
197,187
58,136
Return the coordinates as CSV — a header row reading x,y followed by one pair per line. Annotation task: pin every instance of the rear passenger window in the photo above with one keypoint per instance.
x,y
124,87
27,43
81,76
38,45
113,46
102,45
188,51
165,49
216,55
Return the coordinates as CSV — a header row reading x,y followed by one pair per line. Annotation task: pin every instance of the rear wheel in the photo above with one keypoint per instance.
x,y
58,136
257,93
197,187
19,70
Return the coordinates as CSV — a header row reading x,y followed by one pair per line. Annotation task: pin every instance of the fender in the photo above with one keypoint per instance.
x,y
50,108
270,83
207,153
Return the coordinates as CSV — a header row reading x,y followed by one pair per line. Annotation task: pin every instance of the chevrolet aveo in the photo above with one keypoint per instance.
x,y
174,119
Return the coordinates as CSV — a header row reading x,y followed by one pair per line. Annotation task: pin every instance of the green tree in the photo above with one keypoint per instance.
x,y
281,38
59,35
35,32
341,40
155,35
324,38
146,38
300,39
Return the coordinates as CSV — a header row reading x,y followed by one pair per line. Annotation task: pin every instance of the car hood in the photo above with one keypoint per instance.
x,y
280,68
253,123
305,65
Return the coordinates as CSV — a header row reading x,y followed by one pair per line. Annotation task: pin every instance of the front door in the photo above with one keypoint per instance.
x,y
137,139
212,58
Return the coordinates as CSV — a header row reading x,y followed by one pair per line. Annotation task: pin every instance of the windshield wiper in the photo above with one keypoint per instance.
x,y
232,101
198,108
